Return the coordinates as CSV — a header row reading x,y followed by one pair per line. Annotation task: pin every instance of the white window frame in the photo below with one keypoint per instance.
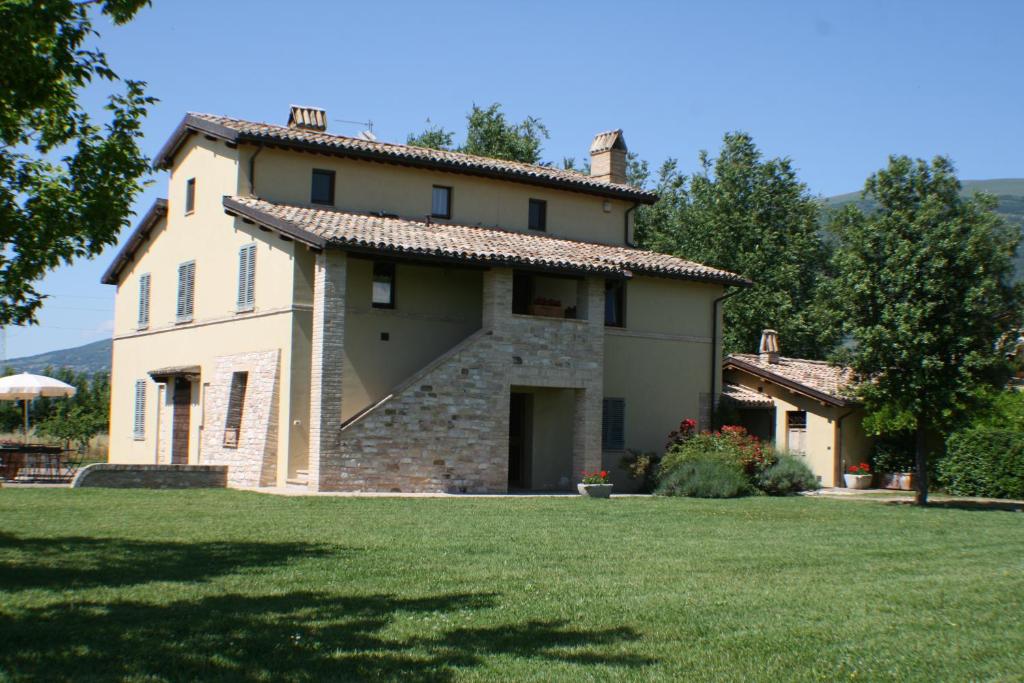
x,y
139,426
185,307
246,299
145,286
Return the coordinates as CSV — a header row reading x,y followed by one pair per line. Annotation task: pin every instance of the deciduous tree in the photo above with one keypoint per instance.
x,y
490,134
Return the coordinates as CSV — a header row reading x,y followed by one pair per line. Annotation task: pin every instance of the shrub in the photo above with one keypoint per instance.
x,y
894,453
984,462
731,445
787,476
707,476
642,466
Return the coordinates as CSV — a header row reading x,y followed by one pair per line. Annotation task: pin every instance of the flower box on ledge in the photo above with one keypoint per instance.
x,y
595,484
545,310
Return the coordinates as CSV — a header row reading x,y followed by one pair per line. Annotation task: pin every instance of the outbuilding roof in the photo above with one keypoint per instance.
x,y
744,397
321,228
236,131
815,378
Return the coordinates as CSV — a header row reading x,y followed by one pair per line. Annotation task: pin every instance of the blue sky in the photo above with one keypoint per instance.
x,y
836,86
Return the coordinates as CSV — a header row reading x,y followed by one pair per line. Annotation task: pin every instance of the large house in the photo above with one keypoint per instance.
x,y
339,313
798,405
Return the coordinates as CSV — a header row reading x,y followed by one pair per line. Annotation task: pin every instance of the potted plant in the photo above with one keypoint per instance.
x,y
858,476
595,484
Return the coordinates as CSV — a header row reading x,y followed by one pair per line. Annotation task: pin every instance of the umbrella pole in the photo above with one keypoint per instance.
x,y
24,405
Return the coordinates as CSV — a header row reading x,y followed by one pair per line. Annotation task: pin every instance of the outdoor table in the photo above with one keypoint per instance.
x,y
39,458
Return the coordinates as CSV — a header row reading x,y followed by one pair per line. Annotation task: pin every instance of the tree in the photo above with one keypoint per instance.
x,y
924,285
66,184
753,217
490,134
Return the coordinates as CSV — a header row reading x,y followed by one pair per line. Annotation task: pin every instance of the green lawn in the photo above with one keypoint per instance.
x,y
160,585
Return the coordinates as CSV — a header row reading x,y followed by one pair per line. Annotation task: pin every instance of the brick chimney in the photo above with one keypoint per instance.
x,y
307,118
608,157
769,349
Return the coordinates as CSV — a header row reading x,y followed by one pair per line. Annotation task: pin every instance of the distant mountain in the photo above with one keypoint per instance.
x,y
1008,191
90,358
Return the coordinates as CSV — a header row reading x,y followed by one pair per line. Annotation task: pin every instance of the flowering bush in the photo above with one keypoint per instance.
x,y
595,477
706,456
686,429
862,468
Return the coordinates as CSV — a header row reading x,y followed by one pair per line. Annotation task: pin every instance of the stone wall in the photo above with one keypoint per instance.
x,y
446,429
326,370
254,461
106,475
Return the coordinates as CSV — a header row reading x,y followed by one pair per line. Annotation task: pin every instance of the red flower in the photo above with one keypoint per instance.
x,y
853,469
604,473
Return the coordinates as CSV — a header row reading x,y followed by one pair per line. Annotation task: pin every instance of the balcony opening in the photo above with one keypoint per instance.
x,y
548,296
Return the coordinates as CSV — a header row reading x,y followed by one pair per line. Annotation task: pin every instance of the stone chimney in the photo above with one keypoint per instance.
x,y
608,157
769,349
307,118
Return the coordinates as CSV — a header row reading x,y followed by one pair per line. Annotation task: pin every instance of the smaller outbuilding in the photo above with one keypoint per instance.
x,y
801,406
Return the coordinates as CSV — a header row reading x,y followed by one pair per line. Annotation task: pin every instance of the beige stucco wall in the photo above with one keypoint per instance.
x,y
660,363
283,176
435,308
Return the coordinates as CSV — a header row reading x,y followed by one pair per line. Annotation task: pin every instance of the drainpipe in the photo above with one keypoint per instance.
x,y
837,476
715,360
625,226
252,171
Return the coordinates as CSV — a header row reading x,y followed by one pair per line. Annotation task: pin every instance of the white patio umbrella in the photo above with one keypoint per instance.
x,y
25,387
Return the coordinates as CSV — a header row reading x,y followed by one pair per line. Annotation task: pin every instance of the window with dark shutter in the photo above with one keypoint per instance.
x,y
441,202
323,187
538,214
186,292
190,195
383,295
246,277
143,321
139,427
236,404
614,303
613,419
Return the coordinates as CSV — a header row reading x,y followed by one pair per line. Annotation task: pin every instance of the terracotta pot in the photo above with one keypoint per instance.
x,y
906,481
545,311
889,480
595,490
857,481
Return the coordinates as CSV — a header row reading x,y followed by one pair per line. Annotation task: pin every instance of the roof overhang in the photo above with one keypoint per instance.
x,y
139,235
732,363
189,372
195,125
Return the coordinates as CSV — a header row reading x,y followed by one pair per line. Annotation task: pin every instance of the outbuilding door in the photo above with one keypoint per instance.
x,y
796,428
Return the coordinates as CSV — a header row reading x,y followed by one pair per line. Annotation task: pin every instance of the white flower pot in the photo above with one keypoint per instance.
x,y
857,481
595,490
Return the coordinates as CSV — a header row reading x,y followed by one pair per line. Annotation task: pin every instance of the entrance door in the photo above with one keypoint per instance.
x,y
518,440
180,425
796,425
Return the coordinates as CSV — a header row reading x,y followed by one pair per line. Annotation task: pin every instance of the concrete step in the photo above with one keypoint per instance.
x,y
299,481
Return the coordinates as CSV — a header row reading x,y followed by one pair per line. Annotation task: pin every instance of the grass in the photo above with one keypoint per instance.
x,y
164,585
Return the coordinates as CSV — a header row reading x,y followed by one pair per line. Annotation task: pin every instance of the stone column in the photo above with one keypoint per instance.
x,y
497,297
328,345
586,451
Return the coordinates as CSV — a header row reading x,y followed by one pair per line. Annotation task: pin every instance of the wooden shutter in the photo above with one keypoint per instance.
x,y
144,301
140,409
186,291
613,422
246,277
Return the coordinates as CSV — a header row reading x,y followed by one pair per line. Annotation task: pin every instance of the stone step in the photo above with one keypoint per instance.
x,y
296,483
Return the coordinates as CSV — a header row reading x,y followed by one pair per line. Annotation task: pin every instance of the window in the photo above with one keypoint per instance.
x,y
614,303
186,292
190,195
246,277
323,187
441,202
796,431
143,301
383,285
139,430
236,402
613,418
538,214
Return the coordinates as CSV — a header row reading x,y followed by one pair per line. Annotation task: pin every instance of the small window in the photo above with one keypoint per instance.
x,y
383,285
143,321
236,403
614,303
538,214
796,419
186,292
613,419
190,195
246,277
323,187
441,203
139,428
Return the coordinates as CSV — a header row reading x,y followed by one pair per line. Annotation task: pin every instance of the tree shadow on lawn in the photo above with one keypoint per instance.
x,y
297,636
70,562
971,505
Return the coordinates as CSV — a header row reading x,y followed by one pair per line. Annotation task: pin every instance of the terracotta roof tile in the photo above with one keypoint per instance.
x,y
456,162
831,380
324,227
746,397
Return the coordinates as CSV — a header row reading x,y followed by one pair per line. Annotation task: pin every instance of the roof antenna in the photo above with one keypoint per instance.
x,y
366,134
